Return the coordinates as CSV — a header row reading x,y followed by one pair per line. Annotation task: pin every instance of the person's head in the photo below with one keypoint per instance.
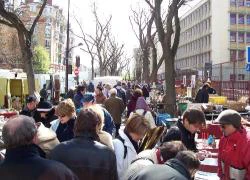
x,y
173,134
44,107
137,93
88,99
19,131
98,90
65,110
170,149
193,119
31,102
190,161
119,83
86,122
107,86
99,112
113,92
81,89
137,126
206,86
230,121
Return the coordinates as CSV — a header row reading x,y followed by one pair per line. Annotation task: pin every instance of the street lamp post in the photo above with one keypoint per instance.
x,y
67,54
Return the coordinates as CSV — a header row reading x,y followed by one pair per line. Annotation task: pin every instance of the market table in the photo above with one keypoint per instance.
x,y
8,114
209,166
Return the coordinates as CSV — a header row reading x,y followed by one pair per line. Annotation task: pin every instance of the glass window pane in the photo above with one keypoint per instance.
x,y
241,37
233,36
241,19
232,18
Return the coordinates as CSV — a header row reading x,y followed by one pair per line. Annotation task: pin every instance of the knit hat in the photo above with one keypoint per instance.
x,y
88,97
44,106
229,117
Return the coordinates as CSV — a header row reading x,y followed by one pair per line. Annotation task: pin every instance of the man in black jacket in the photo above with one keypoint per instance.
x,y
202,95
84,155
30,108
23,158
192,121
182,167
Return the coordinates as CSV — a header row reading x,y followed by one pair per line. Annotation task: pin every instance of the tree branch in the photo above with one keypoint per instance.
x,y
38,17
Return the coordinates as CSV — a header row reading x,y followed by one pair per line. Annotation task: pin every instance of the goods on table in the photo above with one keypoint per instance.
x,y
205,107
235,105
219,100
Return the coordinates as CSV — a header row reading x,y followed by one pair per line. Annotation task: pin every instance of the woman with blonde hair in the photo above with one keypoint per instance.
x,y
67,115
105,138
126,145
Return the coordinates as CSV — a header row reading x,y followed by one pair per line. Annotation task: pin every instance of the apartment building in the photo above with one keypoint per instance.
x,y
50,31
214,35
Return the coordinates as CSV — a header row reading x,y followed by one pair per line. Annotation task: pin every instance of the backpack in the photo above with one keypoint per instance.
x,y
125,147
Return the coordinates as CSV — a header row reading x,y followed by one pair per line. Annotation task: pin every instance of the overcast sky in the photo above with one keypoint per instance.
x,y
120,11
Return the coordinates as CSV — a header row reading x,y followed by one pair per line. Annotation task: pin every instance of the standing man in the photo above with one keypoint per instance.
x,y
202,95
23,158
115,107
78,98
121,93
234,147
43,93
30,108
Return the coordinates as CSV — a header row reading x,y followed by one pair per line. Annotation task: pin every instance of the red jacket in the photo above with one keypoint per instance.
x,y
234,155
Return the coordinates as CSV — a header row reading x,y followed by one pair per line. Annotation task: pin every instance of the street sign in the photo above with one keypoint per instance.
x,y
76,71
248,67
248,54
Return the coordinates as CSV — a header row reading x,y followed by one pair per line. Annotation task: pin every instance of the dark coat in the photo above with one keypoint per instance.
x,y
91,87
87,158
211,90
132,104
78,100
64,132
173,169
26,163
202,96
115,107
186,137
34,113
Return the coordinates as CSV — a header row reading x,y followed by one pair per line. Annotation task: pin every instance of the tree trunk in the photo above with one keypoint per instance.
x,y
27,60
145,70
170,84
92,69
153,77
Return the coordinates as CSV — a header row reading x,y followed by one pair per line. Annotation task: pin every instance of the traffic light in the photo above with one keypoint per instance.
x,y
78,61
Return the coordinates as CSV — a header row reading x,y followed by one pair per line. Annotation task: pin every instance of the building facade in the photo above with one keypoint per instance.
x,y
214,35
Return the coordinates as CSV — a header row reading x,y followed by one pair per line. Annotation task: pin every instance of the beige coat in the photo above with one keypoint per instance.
x,y
106,139
47,139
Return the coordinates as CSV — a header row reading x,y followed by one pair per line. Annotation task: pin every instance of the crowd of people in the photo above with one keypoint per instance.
x,y
95,133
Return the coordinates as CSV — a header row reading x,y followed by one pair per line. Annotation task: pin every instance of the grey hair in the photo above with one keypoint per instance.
x,y
113,91
19,131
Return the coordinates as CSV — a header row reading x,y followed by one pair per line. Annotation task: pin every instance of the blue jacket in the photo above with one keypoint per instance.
x,y
108,122
78,100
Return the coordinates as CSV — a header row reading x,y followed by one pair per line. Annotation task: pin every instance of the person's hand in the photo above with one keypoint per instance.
x,y
245,122
202,155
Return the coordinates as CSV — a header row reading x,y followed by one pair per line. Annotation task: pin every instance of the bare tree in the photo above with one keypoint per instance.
x,y
102,46
169,36
11,19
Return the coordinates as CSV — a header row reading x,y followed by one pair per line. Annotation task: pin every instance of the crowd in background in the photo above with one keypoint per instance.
x,y
95,133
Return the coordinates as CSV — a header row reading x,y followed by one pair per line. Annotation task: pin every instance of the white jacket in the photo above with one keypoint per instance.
x,y
122,164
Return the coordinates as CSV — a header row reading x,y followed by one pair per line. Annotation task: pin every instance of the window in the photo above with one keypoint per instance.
x,y
248,38
241,77
33,8
232,19
241,38
241,19
47,43
232,36
240,2
233,2
241,55
248,19
248,3
232,55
